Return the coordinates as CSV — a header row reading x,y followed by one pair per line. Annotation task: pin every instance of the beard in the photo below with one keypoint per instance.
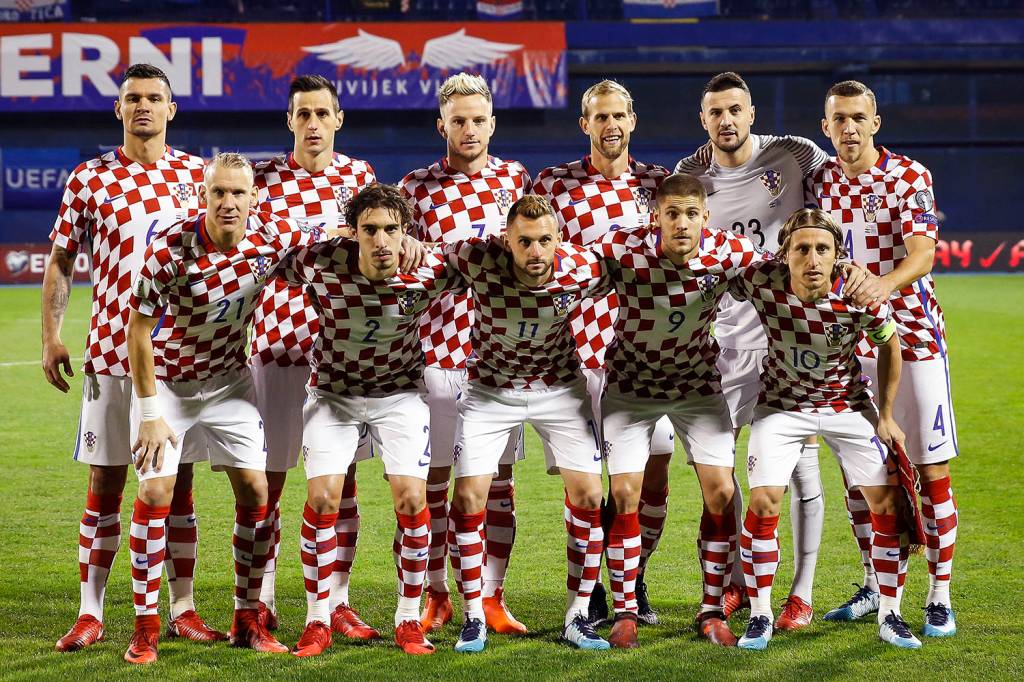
x,y
740,141
613,152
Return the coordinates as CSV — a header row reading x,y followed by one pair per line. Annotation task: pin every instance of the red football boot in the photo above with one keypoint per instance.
x,y
712,626
190,626
347,623
86,631
247,632
142,647
315,640
409,636
734,598
499,618
436,611
796,613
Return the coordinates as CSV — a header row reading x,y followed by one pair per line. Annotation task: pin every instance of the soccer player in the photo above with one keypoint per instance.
x,y
608,190
886,207
112,206
367,375
813,385
669,278
203,276
465,194
754,183
313,183
524,369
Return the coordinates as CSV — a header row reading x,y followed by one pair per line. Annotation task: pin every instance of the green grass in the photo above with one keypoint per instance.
x,y
42,491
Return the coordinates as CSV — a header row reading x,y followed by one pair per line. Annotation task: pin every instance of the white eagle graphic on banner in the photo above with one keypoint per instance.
x,y
453,51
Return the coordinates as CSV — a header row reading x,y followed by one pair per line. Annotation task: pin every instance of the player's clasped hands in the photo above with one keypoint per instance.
x,y
863,288
148,451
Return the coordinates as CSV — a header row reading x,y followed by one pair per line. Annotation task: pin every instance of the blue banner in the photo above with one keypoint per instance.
x,y
33,179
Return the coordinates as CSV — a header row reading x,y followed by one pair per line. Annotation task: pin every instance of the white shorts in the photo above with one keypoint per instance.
x,y
741,381
105,430
561,415
663,440
701,421
777,438
224,407
398,425
444,388
923,408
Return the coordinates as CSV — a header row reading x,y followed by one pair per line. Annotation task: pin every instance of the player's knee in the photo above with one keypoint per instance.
x,y
590,498
410,501
719,498
626,494
324,500
934,472
763,503
468,501
157,492
107,480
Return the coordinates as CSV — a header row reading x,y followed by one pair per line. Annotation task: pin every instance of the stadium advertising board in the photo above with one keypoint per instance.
x,y
245,67
668,9
25,263
33,179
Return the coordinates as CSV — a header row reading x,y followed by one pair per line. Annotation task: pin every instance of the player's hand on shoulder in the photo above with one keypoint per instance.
x,y
889,432
56,358
413,253
148,451
862,287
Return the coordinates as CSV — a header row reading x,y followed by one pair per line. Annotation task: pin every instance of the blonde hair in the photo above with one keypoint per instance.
x,y
461,85
811,217
606,87
228,160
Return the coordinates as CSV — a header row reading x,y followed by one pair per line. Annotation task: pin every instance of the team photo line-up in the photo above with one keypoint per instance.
x,y
247,316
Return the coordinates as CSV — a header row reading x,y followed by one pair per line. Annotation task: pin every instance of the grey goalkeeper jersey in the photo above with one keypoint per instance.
x,y
755,200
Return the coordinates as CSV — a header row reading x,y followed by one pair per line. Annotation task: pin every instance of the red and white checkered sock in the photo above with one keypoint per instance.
x,y
890,551
268,591
346,529
583,549
716,549
99,537
938,507
500,533
318,544
623,554
759,552
652,512
253,536
182,546
412,545
860,521
147,542
437,565
466,550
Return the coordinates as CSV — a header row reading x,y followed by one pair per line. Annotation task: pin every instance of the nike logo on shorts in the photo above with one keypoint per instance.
x,y
933,448
424,464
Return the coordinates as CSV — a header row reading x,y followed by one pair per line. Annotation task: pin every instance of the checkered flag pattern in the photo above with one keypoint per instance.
x,y
449,206
466,551
112,207
318,546
589,206
251,544
811,366
147,544
663,348
284,322
521,336
878,210
206,297
584,546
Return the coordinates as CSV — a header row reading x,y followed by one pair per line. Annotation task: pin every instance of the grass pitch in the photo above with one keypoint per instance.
x,y
42,492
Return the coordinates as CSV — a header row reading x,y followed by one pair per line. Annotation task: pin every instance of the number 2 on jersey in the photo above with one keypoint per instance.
x,y
224,305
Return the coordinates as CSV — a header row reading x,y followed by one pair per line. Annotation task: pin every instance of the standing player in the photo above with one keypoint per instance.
x,y
608,190
885,205
754,183
313,182
813,385
466,194
112,206
367,375
524,369
203,276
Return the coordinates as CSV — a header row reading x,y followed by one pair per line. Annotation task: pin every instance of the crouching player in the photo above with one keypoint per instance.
x,y
203,276
525,369
367,374
813,385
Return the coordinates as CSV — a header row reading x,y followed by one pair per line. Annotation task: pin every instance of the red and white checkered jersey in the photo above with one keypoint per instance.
x,y
113,206
206,297
878,210
663,347
754,199
521,336
285,323
811,364
589,206
370,341
447,206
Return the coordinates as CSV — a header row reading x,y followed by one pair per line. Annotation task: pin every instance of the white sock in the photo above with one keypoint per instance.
x,y
318,609
181,596
408,609
938,593
577,605
887,605
807,511
268,591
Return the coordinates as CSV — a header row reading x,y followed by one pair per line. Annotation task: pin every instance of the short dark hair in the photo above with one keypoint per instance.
x,y
312,83
377,195
726,80
682,185
145,71
851,89
531,207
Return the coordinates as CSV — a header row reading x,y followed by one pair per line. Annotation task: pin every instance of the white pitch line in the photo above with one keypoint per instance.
x,y
24,363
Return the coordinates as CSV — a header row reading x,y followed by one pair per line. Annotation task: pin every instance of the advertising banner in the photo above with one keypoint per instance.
x,y
245,67
15,11
33,179
668,9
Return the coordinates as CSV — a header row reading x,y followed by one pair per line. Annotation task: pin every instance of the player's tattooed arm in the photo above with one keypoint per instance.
x,y
890,363
148,449
56,294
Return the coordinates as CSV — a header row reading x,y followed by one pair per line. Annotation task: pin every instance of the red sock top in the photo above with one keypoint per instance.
x,y
103,504
626,525
464,522
761,527
591,515
416,520
318,520
181,503
937,491
250,516
145,512
887,524
717,524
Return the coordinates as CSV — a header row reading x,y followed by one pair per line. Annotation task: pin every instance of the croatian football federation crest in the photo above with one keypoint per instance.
x,y
504,200
343,195
642,199
260,267
751,463
772,181
90,441
871,203
707,287
562,303
407,301
184,191
834,333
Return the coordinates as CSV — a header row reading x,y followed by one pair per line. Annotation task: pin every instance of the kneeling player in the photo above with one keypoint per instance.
x,y
525,369
813,385
367,374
